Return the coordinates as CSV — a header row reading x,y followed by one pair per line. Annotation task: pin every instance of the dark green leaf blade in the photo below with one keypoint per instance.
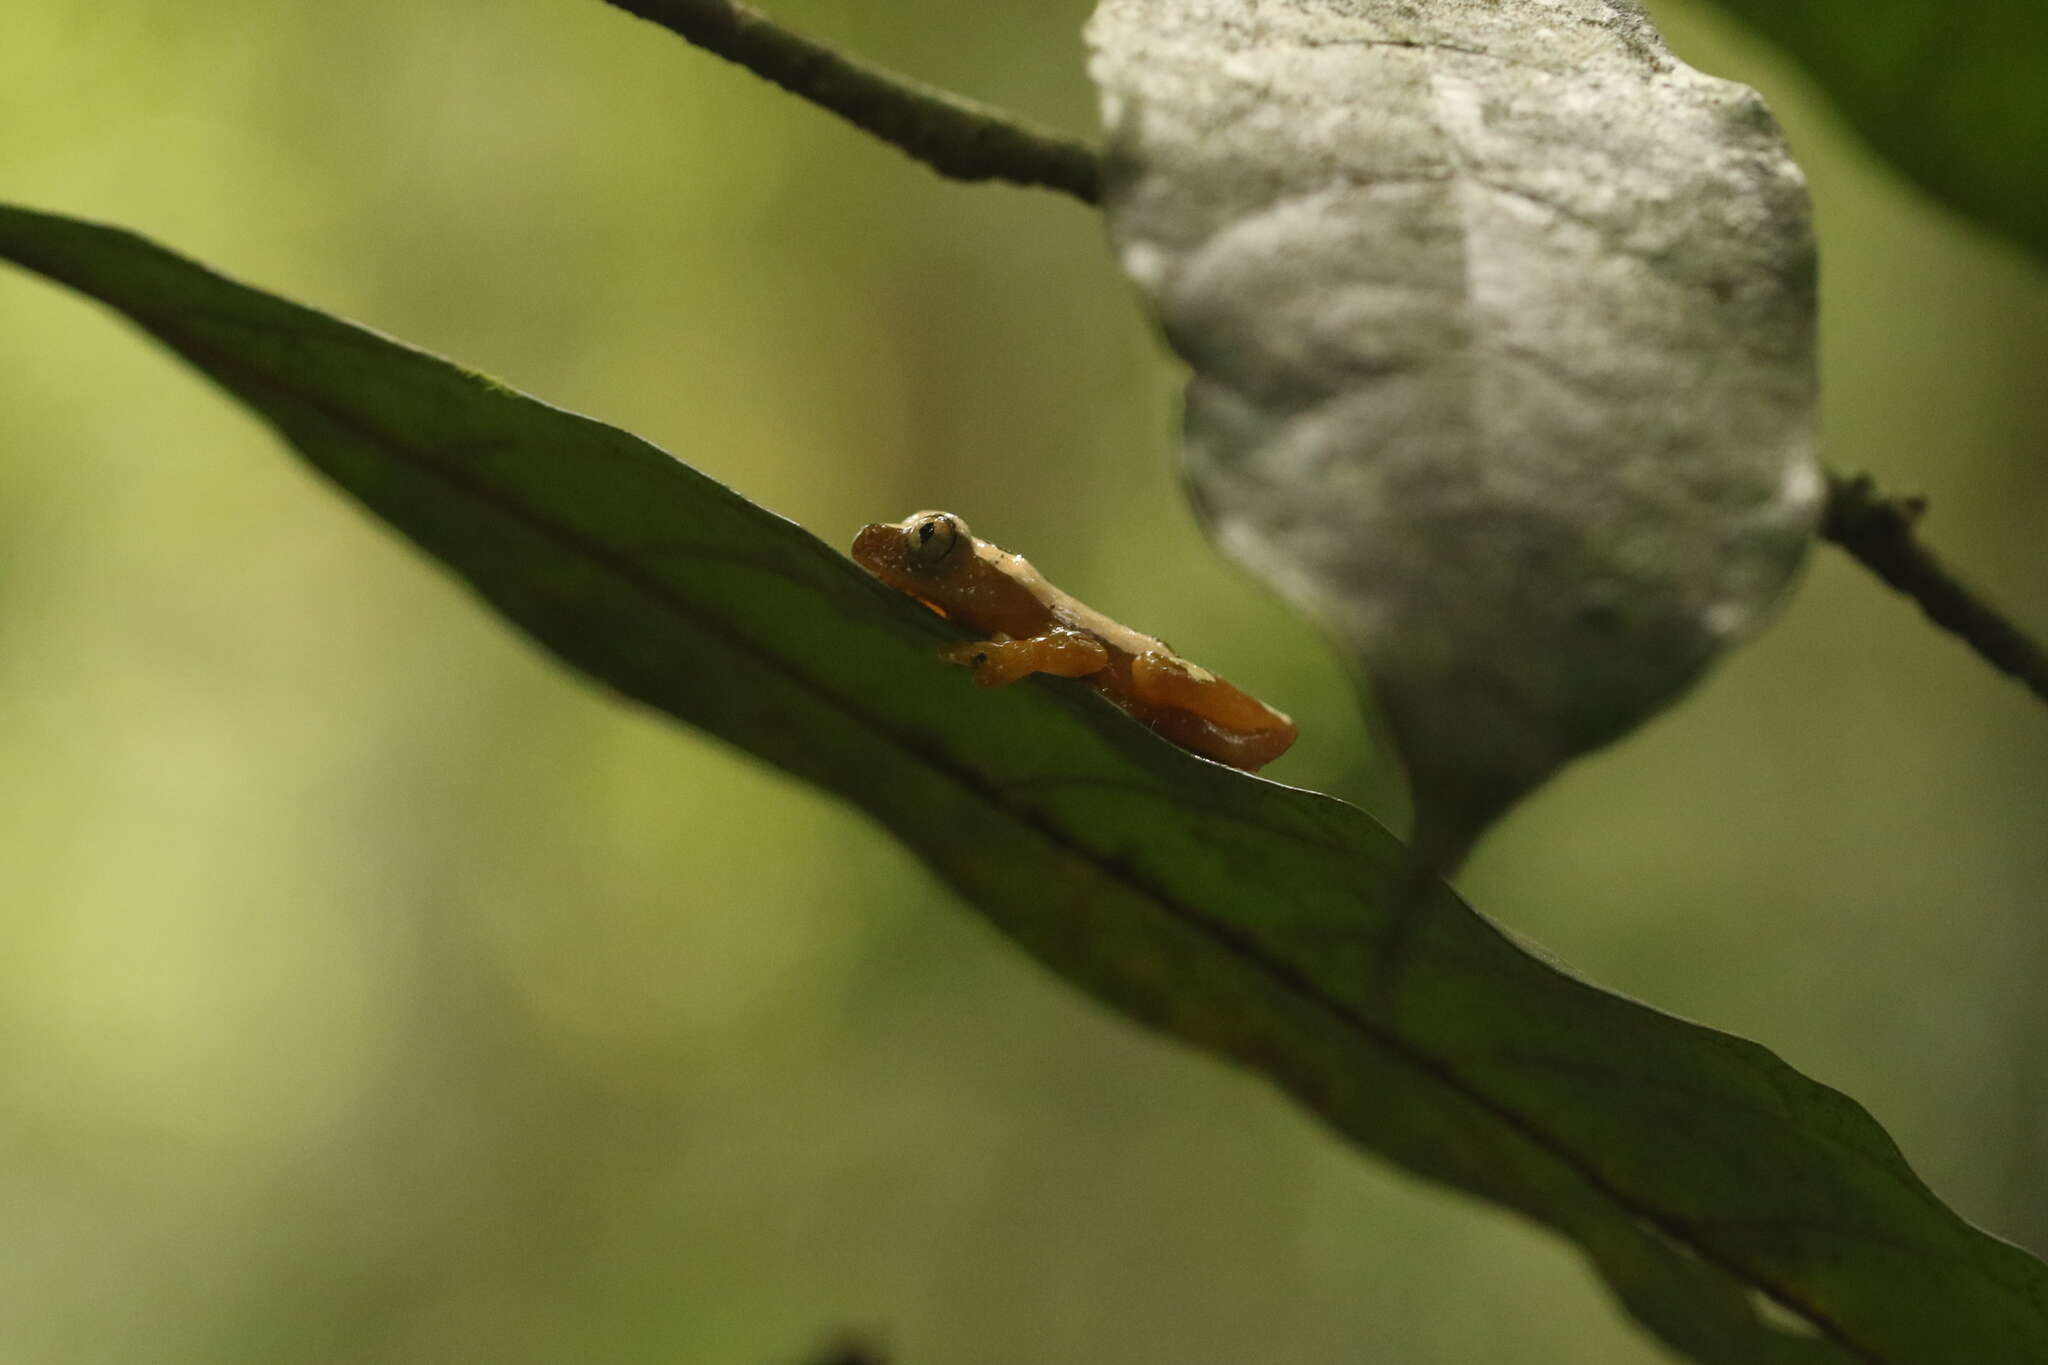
x,y
1951,93
1695,1170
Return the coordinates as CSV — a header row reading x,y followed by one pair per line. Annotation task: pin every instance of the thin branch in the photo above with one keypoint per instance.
x,y
1877,531
954,136
968,141
851,1350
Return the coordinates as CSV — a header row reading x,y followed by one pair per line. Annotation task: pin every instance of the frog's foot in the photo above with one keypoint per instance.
x,y
1001,661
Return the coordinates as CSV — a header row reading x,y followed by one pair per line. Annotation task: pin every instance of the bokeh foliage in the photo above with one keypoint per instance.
x,y
381,994
1950,93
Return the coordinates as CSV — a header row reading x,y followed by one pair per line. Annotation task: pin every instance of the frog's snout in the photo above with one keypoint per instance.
x,y
871,547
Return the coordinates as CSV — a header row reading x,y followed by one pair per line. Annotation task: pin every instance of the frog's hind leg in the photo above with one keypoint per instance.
x,y
1063,653
1164,680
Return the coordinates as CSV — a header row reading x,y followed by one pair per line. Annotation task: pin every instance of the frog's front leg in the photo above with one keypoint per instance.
x,y
1061,652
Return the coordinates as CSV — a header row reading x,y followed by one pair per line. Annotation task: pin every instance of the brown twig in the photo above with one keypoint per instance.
x,y
954,136
967,141
1877,531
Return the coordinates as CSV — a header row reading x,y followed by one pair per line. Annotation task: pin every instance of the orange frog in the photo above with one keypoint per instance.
x,y
1033,627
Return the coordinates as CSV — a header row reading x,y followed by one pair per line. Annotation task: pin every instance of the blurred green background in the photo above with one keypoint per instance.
x,y
372,990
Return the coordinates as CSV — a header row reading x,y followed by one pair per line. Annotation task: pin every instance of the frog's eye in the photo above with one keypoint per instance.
x,y
934,536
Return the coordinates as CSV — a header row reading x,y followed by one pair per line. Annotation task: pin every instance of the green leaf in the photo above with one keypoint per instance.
x,y
1950,91
1696,1171
1502,328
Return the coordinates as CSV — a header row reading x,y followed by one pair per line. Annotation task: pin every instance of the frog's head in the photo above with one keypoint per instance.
x,y
917,554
